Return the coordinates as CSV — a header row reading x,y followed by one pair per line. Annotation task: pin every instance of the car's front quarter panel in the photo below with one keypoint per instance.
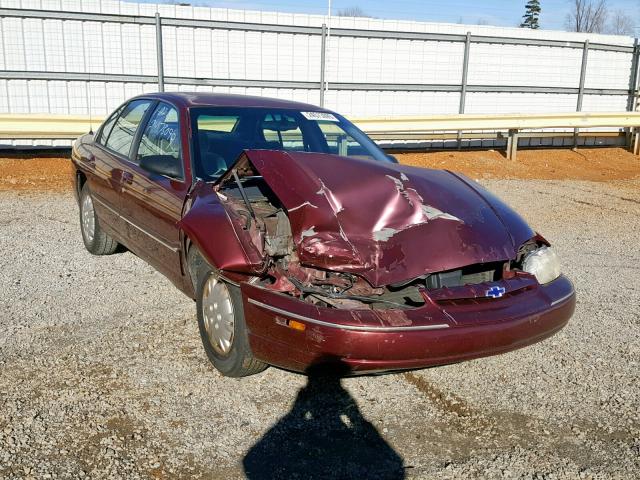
x,y
208,227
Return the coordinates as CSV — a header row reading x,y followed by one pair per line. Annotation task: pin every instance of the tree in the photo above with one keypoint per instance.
x,y
531,17
588,16
621,24
352,12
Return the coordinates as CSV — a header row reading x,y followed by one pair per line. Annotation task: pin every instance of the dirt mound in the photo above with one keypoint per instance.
x,y
35,173
49,173
596,164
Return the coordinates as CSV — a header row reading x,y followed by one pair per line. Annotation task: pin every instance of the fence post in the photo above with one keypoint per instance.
x,y
463,83
633,134
465,73
512,145
323,48
633,80
583,75
159,52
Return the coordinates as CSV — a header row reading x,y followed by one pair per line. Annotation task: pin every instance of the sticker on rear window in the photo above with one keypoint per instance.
x,y
320,116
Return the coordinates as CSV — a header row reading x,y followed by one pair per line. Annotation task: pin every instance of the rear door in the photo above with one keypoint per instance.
x,y
110,155
151,203
105,181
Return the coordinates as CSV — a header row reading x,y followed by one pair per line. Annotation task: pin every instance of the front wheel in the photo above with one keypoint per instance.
x,y
222,326
95,239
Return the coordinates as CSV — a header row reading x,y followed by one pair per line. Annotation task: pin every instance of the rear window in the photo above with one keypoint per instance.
x,y
223,124
282,131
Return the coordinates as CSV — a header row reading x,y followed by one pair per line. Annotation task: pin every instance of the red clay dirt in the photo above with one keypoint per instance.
x,y
596,164
35,173
51,173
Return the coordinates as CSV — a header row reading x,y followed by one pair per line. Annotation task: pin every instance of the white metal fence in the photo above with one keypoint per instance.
x,y
76,57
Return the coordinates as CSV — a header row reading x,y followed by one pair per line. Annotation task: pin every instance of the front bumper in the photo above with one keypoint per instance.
x,y
369,341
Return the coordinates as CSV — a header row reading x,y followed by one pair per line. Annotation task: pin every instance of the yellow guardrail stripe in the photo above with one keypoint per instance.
x,y
499,122
36,126
42,126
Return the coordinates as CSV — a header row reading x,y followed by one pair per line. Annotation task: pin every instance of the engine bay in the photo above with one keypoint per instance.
x,y
262,223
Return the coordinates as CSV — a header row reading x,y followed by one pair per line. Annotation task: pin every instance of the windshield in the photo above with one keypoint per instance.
x,y
220,134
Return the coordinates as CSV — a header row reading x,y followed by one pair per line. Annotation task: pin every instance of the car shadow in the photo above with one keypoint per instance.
x,y
323,436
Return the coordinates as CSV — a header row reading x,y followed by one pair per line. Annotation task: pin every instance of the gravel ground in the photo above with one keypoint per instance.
x,y
102,374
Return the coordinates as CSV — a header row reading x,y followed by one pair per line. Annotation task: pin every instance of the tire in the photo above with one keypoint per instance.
x,y
96,241
222,326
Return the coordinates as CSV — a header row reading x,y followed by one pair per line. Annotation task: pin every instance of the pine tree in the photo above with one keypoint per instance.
x,y
532,15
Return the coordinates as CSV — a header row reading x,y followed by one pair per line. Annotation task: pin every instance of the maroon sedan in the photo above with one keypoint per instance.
x,y
302,242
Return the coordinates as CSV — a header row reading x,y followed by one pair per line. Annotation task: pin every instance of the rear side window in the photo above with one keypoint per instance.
x,y
107,126
121,136
161,136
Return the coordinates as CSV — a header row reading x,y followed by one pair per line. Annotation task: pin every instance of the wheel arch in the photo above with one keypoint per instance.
x,y
81,179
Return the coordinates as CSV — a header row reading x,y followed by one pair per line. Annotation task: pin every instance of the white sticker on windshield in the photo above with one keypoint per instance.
x,y
329,117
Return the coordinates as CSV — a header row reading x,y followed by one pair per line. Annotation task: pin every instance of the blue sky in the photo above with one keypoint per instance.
x,y
493,12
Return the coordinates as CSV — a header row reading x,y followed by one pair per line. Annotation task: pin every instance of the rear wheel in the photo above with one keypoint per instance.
x,y
222,326
95,239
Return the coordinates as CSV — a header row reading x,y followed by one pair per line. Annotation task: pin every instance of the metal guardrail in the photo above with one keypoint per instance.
x,y
500,122
419,128
44,126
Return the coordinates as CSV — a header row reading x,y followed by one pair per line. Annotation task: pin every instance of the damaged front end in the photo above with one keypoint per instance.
x,y
359,234
354,254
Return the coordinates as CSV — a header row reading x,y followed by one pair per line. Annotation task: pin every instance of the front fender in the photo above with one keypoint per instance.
x,y
210,229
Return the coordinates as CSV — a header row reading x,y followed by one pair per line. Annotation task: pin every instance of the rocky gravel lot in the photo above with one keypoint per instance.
x,y
102,374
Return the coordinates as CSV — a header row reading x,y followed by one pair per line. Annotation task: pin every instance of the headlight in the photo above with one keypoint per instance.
x,y
543,263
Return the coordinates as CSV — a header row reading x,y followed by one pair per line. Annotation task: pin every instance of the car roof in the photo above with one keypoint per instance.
x,y
200,99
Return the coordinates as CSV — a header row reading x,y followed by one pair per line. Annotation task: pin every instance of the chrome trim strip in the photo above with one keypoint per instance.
x,y
347,327
227,280
101,202
562,299
164,244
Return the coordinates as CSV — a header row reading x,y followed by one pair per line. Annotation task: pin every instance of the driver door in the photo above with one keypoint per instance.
x,y
151,203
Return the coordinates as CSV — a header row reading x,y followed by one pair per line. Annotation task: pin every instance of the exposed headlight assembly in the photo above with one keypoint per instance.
x,y
543,263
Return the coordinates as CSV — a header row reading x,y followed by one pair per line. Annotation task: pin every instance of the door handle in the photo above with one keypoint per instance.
x,y
127,178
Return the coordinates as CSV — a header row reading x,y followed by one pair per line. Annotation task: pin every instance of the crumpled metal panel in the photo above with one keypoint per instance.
x,y
216,236
386,222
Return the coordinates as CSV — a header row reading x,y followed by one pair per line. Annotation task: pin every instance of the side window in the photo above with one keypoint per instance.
x,y
161,137
282,132
107,126
121,136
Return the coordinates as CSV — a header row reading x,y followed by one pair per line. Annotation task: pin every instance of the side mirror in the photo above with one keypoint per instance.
x,y
392,159
162,165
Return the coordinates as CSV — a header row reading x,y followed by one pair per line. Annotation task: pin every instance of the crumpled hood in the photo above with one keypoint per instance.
x,y
387,222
